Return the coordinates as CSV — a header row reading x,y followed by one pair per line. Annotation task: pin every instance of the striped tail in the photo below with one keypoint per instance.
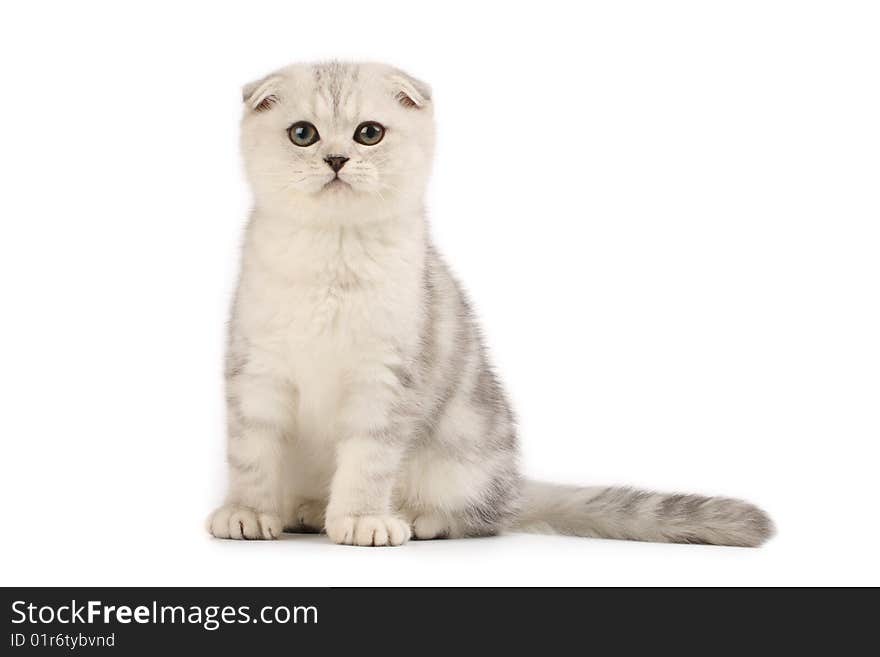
x,y
630,514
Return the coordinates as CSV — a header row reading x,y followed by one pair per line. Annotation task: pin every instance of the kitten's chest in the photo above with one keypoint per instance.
x,y
337,314
324,315
326,341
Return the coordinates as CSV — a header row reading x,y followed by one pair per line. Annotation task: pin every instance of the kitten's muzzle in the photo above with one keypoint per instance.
x,y
336,162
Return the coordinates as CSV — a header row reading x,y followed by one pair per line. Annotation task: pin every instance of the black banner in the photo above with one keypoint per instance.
x,y
381,621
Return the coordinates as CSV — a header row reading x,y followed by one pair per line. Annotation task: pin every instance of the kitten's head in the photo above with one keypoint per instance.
x,y
337,140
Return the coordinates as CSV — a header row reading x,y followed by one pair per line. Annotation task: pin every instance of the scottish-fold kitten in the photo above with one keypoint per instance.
x,y
360,397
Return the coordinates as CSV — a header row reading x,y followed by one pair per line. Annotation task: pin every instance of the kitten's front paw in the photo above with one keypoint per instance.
x,y
240,522
367,530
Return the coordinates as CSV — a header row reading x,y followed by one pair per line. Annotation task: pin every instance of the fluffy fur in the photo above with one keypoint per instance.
x,y
360,398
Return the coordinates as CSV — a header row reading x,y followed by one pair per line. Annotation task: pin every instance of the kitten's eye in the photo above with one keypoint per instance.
x,y
369,133
303,133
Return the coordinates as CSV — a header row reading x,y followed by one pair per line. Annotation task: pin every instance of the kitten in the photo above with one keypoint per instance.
x,y
360,398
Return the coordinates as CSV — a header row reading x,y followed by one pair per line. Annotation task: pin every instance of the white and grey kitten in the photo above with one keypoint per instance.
x,y
360,398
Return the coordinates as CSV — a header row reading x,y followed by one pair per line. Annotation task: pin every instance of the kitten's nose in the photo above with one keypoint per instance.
x,y
336,162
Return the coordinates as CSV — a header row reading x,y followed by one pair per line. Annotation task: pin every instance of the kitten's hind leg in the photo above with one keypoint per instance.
x,y
435,524
307,517
432,525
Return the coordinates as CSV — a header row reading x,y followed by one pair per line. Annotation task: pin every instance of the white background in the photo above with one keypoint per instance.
x,y
666,213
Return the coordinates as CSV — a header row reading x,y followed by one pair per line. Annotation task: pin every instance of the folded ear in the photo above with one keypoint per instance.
x,y
260,95
409,91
